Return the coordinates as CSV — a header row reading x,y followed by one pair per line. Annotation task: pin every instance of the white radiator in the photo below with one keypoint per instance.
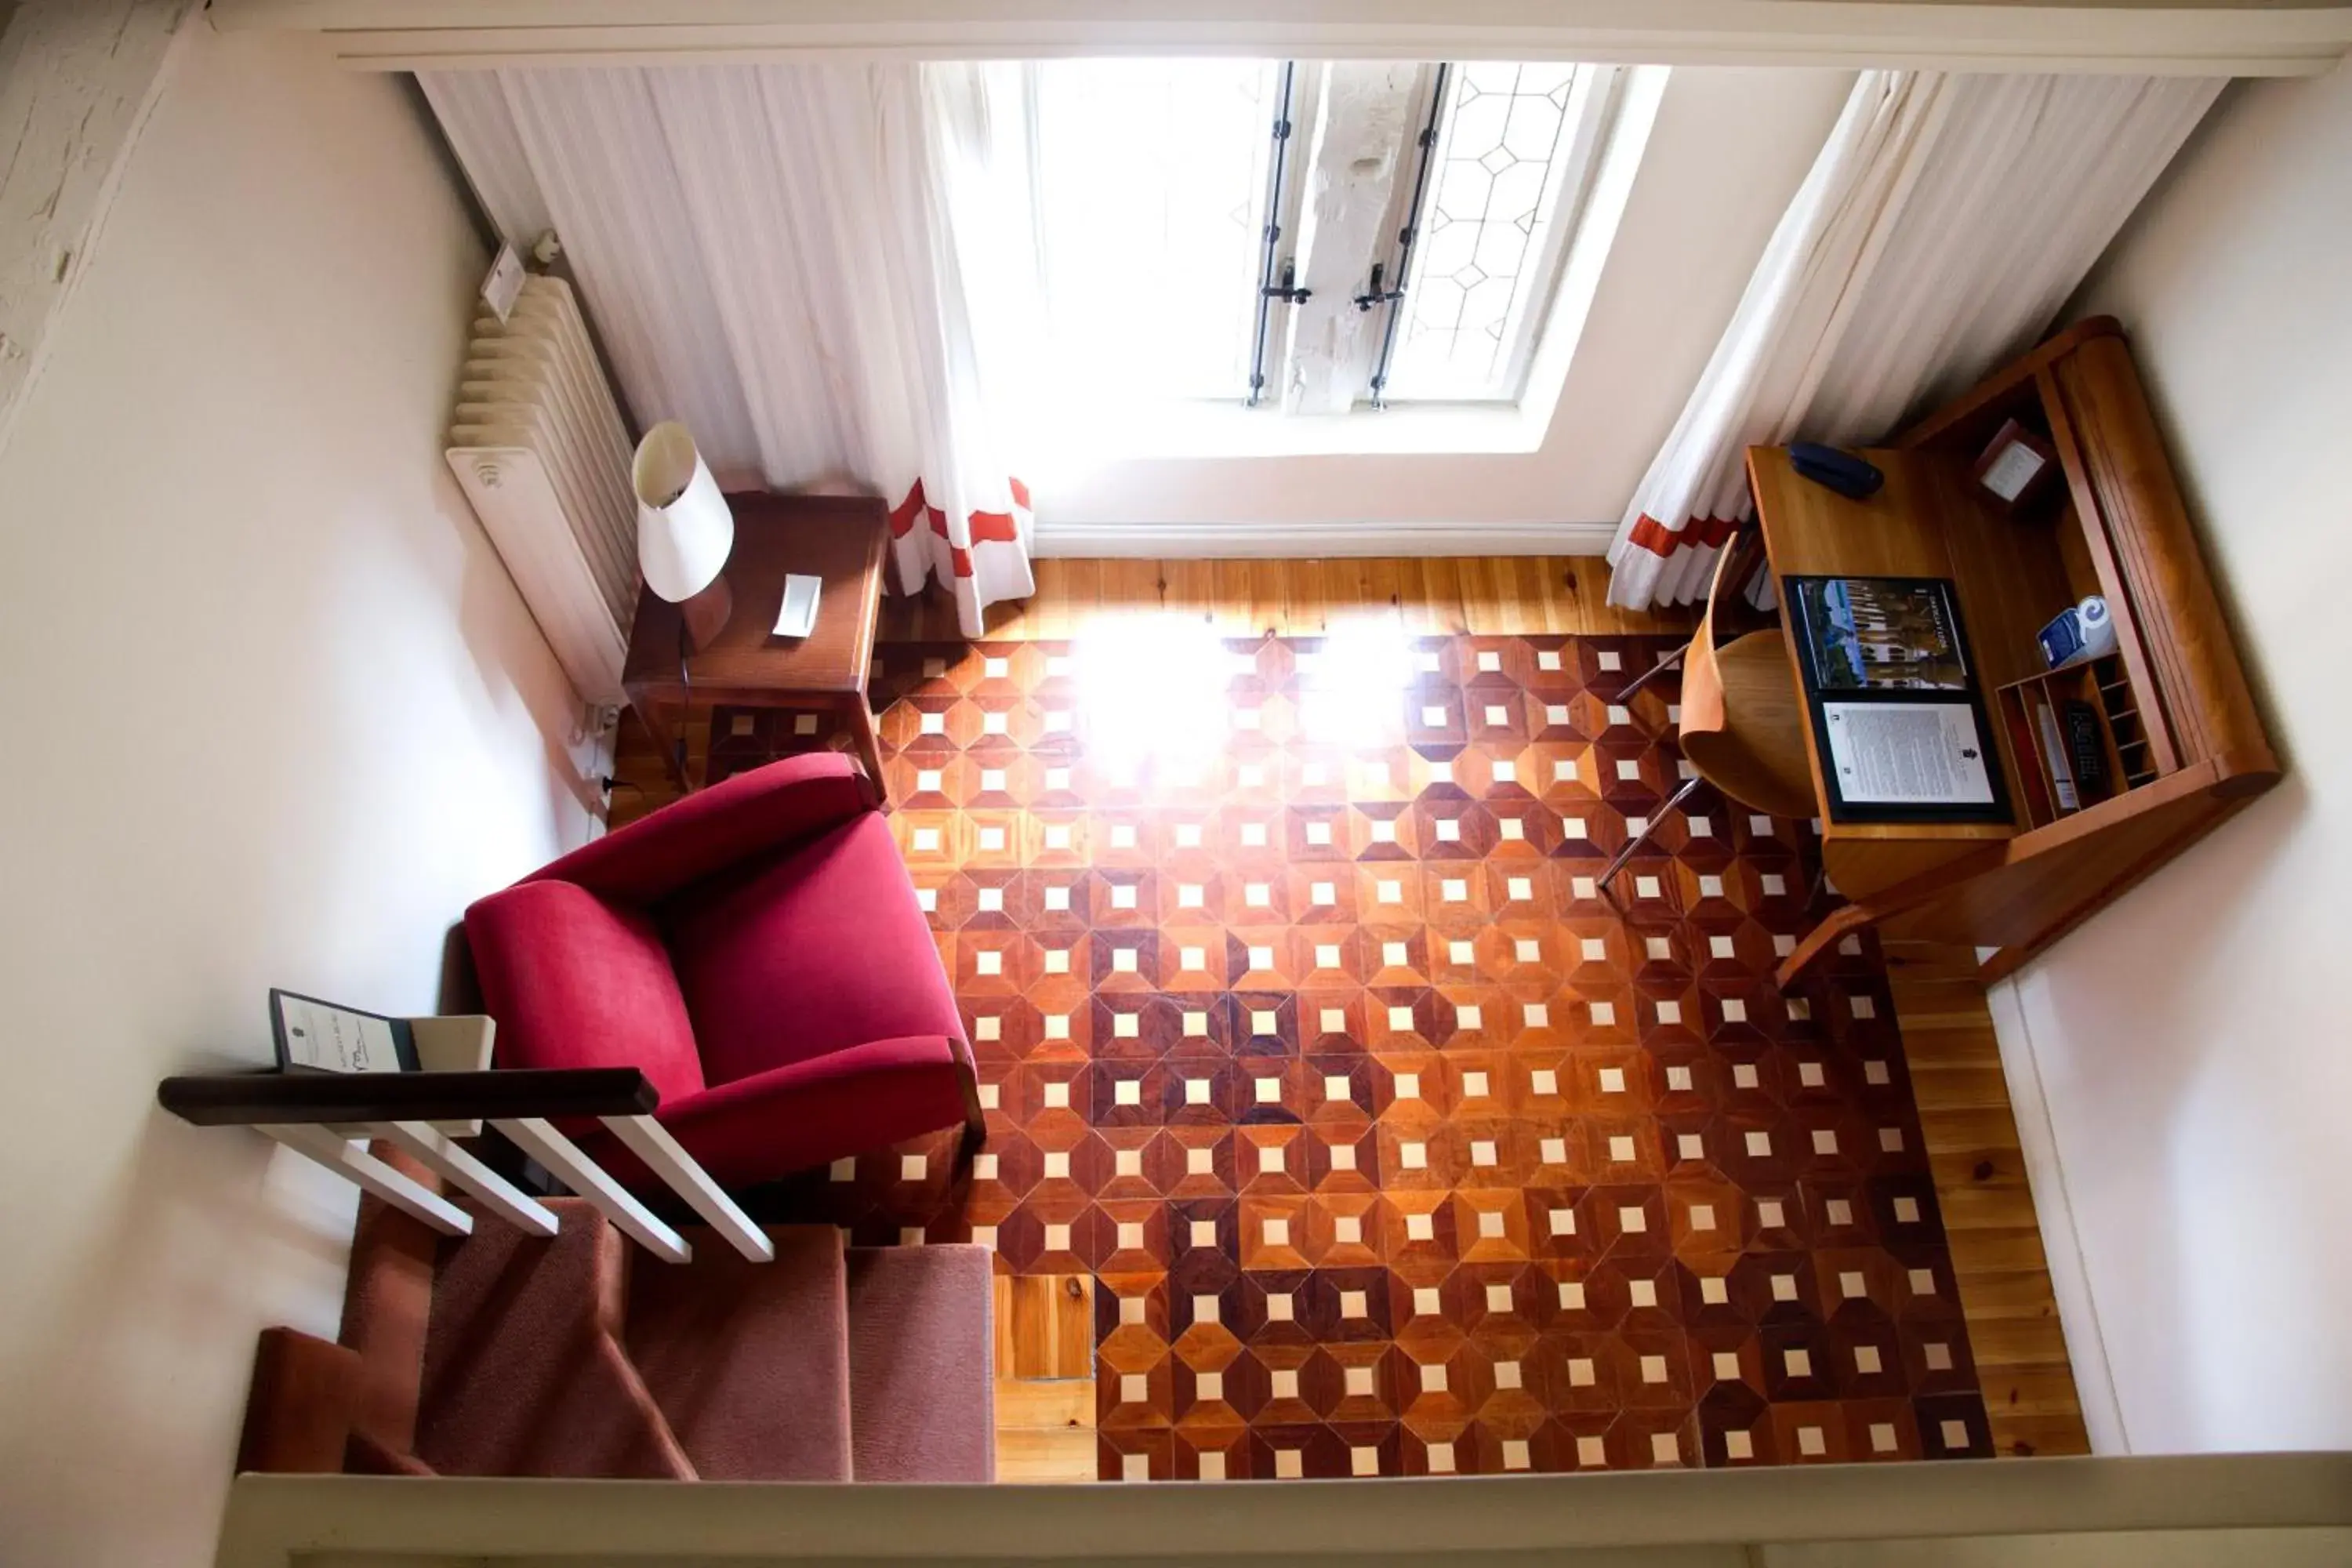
x,y
539,445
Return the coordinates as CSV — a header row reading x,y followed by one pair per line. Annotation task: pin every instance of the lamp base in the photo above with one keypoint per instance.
x,y
705,613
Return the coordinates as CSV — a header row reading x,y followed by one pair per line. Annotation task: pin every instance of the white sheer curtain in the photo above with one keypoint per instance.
x,y
1944,223
826,272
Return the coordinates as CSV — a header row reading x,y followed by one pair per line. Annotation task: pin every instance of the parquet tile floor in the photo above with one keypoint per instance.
x,y
1388,1142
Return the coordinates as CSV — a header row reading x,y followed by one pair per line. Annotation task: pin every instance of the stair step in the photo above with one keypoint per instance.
x,y
750,1362
387,1310
922,1383
578,1356
524,1373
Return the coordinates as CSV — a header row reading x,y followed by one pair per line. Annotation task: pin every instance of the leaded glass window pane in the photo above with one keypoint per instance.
x,y
1495,192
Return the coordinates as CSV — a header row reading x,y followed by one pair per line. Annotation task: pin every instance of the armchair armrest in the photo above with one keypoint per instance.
x,y
717,828
813,1111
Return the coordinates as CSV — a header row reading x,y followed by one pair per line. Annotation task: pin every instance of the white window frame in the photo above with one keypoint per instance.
x,y
1613,109
1593,94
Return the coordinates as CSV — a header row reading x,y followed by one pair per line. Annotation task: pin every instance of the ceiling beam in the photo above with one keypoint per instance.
x,y
1356,171
78,81
2233,37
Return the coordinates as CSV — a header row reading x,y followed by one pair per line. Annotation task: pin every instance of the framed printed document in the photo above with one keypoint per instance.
x,y
1906,753
1898,721
319,1036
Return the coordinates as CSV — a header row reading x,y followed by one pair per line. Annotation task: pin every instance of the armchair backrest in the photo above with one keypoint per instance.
x,y
717,829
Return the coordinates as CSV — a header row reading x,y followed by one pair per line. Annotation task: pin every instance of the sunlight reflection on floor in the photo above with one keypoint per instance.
x,y
1153,704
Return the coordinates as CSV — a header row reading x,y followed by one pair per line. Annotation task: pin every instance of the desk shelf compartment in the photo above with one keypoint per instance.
x,y
2032,716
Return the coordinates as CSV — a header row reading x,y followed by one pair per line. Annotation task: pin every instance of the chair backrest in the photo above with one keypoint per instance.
x,y
1702,695
1743,715
717,829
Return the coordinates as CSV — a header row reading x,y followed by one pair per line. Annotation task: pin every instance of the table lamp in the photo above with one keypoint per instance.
x,y
684,529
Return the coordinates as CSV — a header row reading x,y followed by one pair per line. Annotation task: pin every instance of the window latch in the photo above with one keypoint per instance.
x,y
1376,295
1287,290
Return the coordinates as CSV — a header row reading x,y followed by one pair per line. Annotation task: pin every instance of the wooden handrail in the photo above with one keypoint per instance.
x,y
277,1099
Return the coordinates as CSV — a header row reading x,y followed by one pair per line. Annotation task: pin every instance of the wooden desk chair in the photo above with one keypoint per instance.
x,y
1743,724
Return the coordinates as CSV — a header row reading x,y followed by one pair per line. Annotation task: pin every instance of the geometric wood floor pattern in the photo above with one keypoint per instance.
x,y
1389,1142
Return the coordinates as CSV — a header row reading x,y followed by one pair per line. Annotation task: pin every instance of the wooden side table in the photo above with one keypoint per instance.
x,y
843,540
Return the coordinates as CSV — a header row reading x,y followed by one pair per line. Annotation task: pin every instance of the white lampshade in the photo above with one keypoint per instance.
x,y
684,529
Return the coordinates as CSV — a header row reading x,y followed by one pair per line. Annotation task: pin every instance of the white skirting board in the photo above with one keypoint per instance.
x,y
1318,541
2053,1212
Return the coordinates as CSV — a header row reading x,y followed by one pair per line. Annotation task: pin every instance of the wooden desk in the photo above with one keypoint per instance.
x,y
2117,528
843,540
1922,524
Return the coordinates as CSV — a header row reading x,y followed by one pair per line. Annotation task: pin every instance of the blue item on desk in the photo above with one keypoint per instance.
x,y
2085,631
1842,471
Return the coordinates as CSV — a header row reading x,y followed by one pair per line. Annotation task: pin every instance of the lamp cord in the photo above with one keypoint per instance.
x,y
686,708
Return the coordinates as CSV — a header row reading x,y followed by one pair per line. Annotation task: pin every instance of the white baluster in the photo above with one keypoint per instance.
x,y
564,1162
455,1163
651,1143
353,1163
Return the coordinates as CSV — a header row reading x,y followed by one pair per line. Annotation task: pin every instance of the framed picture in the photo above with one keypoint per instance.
x,y
1879,634
1898,719
313,1036
2016,463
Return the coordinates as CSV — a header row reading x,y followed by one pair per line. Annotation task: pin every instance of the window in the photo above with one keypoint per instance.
x,y
1311,237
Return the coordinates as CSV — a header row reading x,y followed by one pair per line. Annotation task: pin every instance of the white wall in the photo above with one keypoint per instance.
x,y
274,713
1728,150
2194,1042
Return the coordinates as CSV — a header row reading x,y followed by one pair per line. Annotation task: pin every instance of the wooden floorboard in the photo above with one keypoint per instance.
x,y
1495,595
1988,1207
1045,1379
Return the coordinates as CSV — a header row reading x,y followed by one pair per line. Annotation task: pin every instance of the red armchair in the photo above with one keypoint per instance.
x,y
757,952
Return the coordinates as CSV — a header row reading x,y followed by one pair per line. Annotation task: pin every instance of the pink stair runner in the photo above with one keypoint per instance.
x,y
524,1373
750,1362
922,1381
584,1356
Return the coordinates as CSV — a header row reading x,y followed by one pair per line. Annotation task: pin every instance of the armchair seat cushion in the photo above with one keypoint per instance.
x,y
816,951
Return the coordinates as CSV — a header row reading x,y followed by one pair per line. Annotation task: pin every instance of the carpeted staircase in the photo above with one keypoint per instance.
x,y
505,1354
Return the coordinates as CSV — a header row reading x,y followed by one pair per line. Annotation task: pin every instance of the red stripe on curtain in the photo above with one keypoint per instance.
x,y
902,516
1657,537
1020,494
987,527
